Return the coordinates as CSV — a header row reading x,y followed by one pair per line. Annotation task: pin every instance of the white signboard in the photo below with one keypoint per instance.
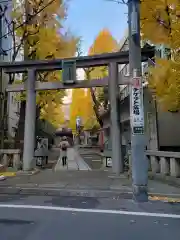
x,y
108,162
78,121
137,117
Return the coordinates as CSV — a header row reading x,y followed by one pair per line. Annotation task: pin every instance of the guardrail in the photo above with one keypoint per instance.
x,y
162,162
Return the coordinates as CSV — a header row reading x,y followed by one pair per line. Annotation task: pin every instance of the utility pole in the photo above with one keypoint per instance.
x,y
139,160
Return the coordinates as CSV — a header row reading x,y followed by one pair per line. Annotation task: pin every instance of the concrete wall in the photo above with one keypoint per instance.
x,y
168,134
169,128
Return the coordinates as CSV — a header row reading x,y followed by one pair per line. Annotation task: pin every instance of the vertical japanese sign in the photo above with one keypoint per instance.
x,y
137,115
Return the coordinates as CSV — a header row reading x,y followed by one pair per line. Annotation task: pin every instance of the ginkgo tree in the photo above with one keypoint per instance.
x,y
37,31
53,113
82,106
160,23
90,120
77,108
103,43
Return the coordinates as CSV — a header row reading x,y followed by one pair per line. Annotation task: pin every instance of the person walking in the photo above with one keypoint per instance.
x,y
64,144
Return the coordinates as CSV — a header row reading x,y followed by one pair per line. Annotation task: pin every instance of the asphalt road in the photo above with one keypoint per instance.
x,y
56,219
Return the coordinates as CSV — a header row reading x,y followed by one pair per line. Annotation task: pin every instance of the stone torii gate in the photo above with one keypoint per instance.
x,y
69,67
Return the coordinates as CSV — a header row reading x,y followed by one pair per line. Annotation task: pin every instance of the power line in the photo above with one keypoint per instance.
x,y
117,1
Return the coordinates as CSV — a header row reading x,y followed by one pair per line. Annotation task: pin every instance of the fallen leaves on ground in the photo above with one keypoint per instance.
x,y
8,174
164,199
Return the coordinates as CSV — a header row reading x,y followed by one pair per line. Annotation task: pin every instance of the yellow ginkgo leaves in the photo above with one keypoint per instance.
x,y
42,39
82,106
160,23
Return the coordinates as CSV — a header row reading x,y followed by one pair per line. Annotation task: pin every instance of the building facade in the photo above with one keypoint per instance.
x,y
9,106
161,128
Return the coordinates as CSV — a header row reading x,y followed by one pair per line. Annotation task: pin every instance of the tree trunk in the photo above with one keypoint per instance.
x,y
95,101
96,108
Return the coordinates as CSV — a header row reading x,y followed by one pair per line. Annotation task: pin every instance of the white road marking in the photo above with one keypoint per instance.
x,y
146,214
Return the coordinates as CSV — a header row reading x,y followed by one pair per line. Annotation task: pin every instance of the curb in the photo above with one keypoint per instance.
x,y
65,192
28,173
93,193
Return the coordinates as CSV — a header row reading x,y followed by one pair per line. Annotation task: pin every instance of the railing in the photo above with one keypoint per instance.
x,y
162,162
166,163
11,158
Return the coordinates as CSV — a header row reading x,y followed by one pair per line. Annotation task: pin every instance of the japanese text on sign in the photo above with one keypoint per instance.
x,y
137,107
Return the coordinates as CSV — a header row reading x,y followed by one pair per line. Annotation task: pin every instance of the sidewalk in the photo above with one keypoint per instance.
x,y
80,183
74,162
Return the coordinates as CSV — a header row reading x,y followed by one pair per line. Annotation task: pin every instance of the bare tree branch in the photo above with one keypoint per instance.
x,y
118,2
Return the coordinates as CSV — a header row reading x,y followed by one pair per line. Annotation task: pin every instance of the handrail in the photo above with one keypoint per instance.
x,y
162,162
163,154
